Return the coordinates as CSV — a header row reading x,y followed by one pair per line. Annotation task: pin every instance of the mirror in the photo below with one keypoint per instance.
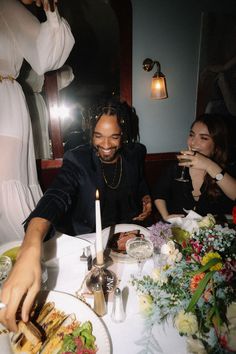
x,y
101,61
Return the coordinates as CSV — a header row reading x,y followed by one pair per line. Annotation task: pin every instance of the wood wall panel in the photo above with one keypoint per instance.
x,y
154,165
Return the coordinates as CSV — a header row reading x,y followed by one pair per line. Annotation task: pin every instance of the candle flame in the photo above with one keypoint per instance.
x,y
97,194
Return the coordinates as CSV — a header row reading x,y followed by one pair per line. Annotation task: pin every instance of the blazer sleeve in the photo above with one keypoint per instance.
x,y
59,196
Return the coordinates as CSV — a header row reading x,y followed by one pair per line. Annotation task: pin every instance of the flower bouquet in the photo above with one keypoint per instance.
x,y
196,287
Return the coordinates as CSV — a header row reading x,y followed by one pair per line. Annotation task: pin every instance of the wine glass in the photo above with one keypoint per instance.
x,y
183,177
140,249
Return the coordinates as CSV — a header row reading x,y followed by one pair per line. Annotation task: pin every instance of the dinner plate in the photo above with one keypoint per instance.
x,y
69,304
112,230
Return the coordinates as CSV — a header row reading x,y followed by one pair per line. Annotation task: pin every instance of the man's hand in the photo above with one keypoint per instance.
x,y
24,281
21,287
147,208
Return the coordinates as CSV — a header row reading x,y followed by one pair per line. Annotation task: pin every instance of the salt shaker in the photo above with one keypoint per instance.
x,y
118,313
99,300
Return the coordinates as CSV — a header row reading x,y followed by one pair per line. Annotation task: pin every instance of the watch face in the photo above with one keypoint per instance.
x,y
219,176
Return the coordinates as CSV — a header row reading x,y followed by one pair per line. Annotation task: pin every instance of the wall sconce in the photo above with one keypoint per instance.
x,y
158,88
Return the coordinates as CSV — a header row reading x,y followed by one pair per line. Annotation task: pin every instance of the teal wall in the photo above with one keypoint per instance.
x,y
169,31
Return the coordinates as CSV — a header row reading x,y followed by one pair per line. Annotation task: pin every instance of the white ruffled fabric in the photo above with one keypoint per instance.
x,y
188,223
45,46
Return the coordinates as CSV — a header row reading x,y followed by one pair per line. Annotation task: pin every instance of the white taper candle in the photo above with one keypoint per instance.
x,y
99,245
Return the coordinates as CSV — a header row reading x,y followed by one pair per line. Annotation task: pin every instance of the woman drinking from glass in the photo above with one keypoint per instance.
x,y
210,186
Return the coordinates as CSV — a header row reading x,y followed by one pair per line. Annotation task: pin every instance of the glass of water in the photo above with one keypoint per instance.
x,y
44,279
141,249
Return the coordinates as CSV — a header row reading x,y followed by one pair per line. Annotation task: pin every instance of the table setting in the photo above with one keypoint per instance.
x,y
160,308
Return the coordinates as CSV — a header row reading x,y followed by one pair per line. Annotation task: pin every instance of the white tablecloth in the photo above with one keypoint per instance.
x,y
66,273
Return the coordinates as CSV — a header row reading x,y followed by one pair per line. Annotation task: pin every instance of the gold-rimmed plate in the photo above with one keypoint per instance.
x,y
70,305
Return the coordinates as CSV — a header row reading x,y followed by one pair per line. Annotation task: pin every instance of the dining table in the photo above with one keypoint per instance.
x,y
66,272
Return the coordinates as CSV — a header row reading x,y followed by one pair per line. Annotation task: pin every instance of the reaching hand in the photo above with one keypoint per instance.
x,y
20,288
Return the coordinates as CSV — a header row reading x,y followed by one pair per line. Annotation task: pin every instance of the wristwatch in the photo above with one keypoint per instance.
x,y
219,176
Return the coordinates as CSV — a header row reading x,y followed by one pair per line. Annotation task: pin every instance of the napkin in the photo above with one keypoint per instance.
x,y
62,246
188,223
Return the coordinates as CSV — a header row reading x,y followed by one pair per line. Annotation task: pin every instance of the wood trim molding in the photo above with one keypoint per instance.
x,y
54,121
123,9
124,12
162,156
154,166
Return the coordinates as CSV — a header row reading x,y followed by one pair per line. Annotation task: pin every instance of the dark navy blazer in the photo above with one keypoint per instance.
x,y
69,203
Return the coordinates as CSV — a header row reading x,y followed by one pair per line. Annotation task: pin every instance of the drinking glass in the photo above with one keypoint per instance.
x,y
44,276
5,268
141,249
159,259
183,177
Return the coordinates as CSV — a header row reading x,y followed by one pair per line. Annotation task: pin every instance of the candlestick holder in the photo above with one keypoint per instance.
x,y
102,276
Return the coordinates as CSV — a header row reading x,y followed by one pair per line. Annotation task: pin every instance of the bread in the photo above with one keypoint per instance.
x,y
30,331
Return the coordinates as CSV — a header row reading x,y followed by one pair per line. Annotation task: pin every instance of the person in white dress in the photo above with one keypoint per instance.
x,y
45,46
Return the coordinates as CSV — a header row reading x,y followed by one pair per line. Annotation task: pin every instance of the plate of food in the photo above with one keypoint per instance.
x,y
61,323
115,237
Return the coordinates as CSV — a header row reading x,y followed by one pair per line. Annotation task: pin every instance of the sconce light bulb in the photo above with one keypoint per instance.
x,y
158,88
158,85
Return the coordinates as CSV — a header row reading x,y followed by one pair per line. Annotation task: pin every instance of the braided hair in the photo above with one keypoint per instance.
x,y
126,118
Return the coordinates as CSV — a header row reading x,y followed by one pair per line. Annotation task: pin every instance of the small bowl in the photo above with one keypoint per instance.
x,y
5,268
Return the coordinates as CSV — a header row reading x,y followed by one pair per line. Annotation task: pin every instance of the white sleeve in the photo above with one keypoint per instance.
x,y
47,45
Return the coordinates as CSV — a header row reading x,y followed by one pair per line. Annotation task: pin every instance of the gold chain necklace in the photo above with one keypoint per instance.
x,y
112,185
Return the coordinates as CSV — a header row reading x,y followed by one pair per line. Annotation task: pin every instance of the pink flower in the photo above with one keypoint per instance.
x,y
197,247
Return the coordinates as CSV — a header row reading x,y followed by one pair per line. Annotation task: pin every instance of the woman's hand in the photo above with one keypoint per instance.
x,y
21,287
195,160
170,216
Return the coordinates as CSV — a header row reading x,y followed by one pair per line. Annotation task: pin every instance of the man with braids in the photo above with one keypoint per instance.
x,y
108,164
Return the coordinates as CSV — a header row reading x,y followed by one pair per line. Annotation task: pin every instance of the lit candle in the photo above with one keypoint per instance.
x,y
99,246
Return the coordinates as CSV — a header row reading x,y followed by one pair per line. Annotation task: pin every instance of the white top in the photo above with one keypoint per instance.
x,y
45,46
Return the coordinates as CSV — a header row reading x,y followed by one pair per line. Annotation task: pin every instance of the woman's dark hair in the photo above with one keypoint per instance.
x,y
126,118
218,131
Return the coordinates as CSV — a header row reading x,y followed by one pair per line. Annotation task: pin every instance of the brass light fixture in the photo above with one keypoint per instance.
x,y
158,88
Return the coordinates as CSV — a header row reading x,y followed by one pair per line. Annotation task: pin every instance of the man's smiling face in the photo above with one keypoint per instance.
x,y
107,138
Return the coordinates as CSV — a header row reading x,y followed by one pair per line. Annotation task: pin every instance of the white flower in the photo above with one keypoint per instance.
x,y
159,275
207,221
186,323
168,248
173,254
